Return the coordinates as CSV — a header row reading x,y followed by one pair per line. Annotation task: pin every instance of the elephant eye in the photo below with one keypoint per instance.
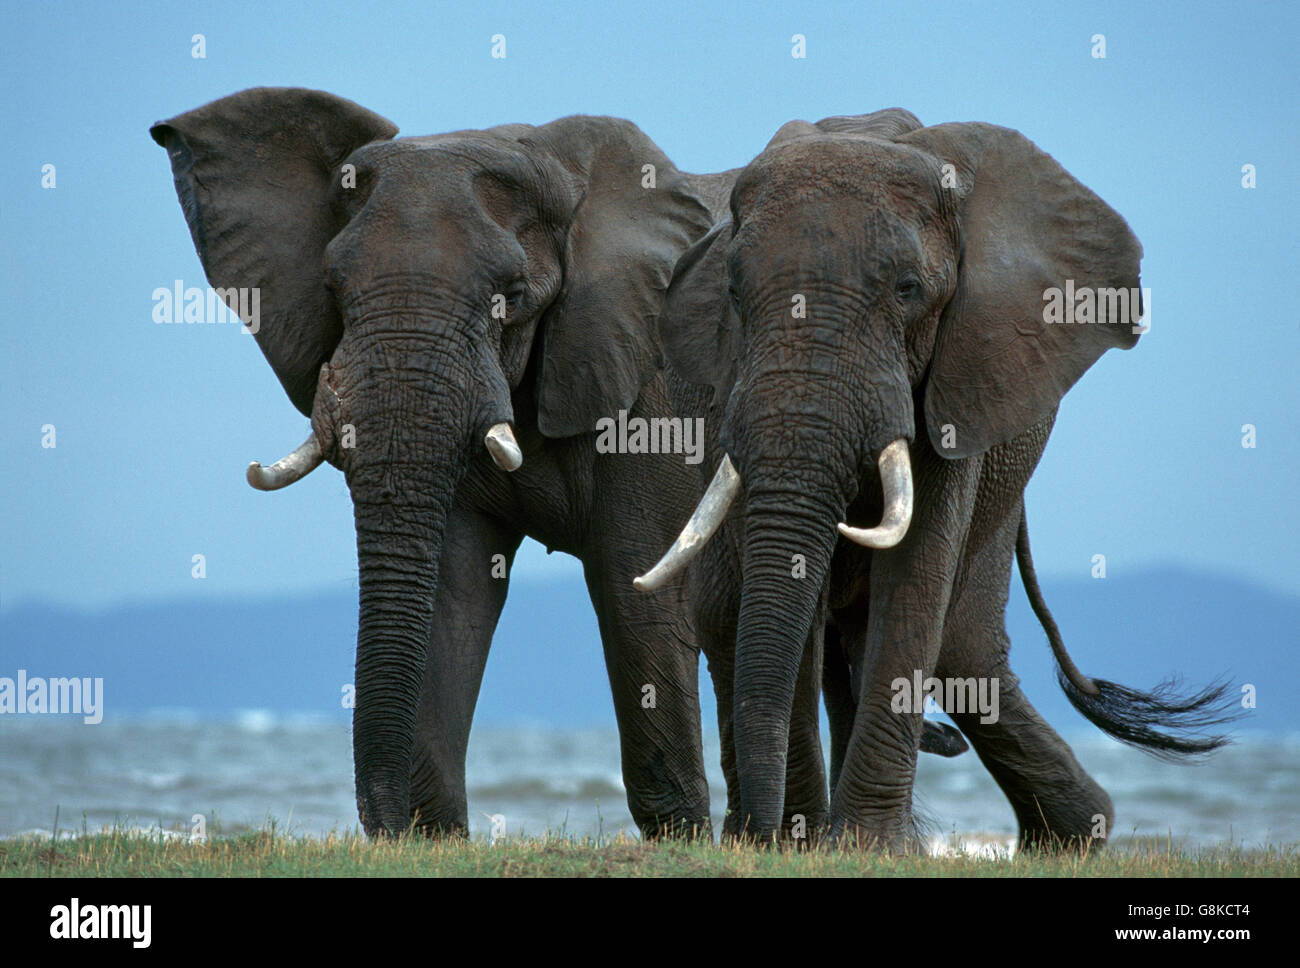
x,y
907,288
515,295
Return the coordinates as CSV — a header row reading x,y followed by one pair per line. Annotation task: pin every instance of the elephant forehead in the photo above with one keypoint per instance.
x,y
836,167
463,153
809,247
817,227
462,169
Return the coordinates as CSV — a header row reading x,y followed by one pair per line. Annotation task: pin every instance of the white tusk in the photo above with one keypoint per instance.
x,y
709,514
288,469
501,444
896,481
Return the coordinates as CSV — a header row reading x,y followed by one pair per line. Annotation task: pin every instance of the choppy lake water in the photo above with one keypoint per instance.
x,y
161,772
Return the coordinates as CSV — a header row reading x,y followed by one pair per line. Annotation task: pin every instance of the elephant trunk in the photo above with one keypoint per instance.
x,y
802,434
415,416
788,542
398,547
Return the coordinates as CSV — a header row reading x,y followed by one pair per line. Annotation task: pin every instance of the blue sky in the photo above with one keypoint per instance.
x,y
155,423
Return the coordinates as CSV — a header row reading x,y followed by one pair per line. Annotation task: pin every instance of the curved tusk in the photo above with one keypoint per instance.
x,y
288,469
501,444
709,514
896,480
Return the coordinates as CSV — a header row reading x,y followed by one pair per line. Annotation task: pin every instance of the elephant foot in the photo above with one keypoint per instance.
x,y
747,834
689,828
661,815
800,829
897,835
1079,825
433,829
1049,842
732,834
804,828
439,818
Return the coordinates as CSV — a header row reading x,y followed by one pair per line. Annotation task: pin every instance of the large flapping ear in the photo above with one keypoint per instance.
x,y
698,327
637,215
1028,230
254,172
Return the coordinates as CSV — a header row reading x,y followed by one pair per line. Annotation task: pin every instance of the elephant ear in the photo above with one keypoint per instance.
x,y
599,339
1027,227
254,173
697,327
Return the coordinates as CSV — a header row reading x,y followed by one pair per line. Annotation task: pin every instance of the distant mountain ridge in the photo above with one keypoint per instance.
x,y
294,655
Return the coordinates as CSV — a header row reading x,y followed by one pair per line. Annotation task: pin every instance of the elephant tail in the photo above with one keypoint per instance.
x,y
1161,721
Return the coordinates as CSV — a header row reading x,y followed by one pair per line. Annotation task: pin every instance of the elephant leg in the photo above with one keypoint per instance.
x,y
653,665
841,681
910,587
1057,804
714,581
651,652
721,658
471,592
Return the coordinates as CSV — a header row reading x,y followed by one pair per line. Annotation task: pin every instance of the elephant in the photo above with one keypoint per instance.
x,y
870,275
417,296
454,314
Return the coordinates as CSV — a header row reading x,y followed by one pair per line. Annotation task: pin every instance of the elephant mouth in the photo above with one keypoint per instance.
x,y
895,467
309,455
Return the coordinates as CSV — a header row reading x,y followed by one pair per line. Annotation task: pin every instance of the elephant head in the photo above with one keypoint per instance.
x,y
871,267
419,296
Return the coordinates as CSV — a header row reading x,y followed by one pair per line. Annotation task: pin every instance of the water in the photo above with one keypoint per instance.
x,y
161,772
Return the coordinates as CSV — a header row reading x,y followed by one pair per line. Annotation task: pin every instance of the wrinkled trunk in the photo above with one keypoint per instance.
x,y
803,426
414,410
777,610
398,546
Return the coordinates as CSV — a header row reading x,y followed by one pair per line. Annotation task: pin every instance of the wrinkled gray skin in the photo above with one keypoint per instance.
x,y
924,291
376,314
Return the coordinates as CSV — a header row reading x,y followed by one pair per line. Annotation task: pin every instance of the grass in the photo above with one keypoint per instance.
x,y
268,853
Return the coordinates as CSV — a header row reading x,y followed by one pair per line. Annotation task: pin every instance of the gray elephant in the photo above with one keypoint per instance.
x,y
868,322
448,309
